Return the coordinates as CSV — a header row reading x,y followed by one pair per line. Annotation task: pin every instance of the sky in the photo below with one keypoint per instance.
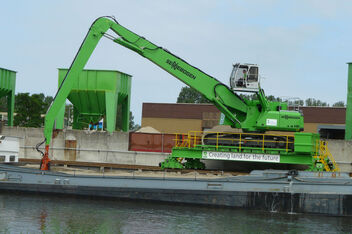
x,y
301,46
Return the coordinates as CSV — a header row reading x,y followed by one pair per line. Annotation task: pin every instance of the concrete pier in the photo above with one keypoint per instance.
x,y
103,147
83,146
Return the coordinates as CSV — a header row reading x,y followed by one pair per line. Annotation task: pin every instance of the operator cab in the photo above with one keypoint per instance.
x,y
244,78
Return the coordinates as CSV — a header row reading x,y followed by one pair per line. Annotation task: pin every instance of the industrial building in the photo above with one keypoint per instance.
x,y
183,117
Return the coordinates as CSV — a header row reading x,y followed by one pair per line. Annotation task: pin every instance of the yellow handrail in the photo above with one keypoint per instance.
x,y
191,139
324,156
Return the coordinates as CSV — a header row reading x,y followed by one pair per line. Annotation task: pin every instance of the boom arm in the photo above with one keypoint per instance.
x,y
211,88
239,113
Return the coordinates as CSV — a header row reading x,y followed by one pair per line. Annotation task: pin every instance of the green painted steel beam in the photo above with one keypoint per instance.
x,y
305,146
348,128
87,48
7,89
259,115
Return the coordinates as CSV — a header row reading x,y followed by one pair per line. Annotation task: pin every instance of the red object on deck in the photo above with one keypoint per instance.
x,y
45,162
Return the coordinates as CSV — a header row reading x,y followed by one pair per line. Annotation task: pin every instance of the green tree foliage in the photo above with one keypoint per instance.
x,y
248,97
3,104
295,102
300,102
315,102
190,95
29,110
339,104
132,125
46,101
272,98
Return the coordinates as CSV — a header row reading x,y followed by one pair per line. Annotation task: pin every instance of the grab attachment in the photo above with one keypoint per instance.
x,y
45,161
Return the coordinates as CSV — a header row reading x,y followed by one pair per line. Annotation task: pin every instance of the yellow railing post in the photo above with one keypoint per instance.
x,y
263,142
217,140
195,139
316,147
331,158
240,143
187,140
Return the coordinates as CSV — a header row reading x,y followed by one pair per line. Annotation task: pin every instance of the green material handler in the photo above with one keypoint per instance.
x,y
250,116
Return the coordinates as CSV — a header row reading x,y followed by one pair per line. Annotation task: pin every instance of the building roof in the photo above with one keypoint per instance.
x,y
329,115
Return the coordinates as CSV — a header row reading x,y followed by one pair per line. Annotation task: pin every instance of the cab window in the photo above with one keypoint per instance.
x,y
253,74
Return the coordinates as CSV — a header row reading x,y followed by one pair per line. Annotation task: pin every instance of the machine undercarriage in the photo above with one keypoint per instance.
x,y
249,140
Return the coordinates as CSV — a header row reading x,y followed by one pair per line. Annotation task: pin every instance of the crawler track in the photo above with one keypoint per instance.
x,y
249,140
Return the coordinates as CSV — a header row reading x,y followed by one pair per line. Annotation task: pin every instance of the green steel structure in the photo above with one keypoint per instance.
x,y
249,115
258,115
301,149
348,128
7,89
96,94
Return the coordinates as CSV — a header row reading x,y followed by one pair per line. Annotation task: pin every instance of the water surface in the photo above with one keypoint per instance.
x,y
31,213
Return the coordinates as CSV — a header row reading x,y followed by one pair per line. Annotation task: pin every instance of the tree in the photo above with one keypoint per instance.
x,y
339,104
315,102
300,102
249,96
46,101
3,104
29,110
190,95
132,125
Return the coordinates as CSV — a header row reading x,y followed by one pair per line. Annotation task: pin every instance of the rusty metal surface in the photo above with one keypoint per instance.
x,y
151,142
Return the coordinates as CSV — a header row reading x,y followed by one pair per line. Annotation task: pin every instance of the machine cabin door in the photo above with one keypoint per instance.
x,y
244,78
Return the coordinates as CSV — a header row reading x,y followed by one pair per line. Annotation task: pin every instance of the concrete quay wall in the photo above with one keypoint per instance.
x,y
88,146
84,146
341,150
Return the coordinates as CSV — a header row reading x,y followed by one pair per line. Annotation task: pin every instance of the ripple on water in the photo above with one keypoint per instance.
x,y
28,213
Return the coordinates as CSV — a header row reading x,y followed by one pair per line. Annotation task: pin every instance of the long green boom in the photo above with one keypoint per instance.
x,y
257,115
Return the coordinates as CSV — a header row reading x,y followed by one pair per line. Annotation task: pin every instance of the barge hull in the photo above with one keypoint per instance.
x,y
275,195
